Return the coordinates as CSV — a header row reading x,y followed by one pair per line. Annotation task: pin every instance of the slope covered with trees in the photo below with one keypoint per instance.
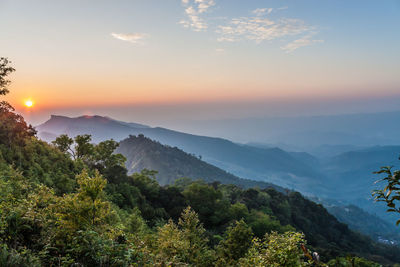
x,y
172,163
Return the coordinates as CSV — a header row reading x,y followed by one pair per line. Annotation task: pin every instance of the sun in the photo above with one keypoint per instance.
x,y
28,103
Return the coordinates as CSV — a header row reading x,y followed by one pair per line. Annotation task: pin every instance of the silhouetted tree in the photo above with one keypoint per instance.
x,y
5,70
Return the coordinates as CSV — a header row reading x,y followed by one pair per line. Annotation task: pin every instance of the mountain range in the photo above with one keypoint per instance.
x,y
272,165
342,174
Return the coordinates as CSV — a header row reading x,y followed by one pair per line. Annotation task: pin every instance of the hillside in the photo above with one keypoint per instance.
x,y
87,210
363,222
172,163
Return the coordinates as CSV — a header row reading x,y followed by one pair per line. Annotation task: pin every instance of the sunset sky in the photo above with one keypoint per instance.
x,y
143,60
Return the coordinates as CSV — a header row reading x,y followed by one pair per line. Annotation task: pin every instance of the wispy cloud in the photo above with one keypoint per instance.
x,y
262,11
262,27
304,41
135,38
193,11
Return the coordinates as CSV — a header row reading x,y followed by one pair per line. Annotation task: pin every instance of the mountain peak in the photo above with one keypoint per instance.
x,y
100,127
94,118
56,117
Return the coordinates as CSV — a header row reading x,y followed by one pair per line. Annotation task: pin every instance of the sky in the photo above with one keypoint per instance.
x,y
155,61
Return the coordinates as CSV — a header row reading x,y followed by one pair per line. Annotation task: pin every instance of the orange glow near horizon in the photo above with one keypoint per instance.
x,y
142,95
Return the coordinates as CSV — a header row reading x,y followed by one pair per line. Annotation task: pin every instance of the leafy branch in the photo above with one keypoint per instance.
x,y
391,193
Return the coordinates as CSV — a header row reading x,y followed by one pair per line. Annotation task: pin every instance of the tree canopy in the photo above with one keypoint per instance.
x,y
5,70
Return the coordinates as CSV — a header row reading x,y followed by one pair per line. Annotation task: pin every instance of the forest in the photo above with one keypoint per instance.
x,y
72,203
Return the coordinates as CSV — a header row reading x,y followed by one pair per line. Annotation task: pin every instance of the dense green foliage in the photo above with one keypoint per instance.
x,y
120,220
352,262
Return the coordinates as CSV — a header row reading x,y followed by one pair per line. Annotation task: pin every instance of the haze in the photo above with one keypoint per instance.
x,y
164,62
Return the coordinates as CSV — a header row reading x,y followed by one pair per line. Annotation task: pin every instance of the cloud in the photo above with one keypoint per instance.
x,y
261,27
304,41
262,11
282,8
135,38
193,11
204,5
220,50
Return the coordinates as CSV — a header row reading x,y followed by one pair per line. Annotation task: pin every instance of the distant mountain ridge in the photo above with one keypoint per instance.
x,y
272,165
305,132
100,127
347,175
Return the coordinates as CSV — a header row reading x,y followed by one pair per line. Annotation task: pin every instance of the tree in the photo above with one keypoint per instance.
x,y
276,250
11,257
104,157
235,245
13,128
5,70
184,242
84,149
352,262
13,190
100,157
390,194
64,144
87,209
262,223
208,203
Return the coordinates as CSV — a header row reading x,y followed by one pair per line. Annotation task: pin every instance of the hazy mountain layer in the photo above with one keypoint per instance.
x,y
264,164
345,176
363,222
305,132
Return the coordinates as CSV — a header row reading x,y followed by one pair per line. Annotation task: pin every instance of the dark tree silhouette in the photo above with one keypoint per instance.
x,y
5,70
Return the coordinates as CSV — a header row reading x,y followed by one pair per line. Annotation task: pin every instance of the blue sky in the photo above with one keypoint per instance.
x,y
205,52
